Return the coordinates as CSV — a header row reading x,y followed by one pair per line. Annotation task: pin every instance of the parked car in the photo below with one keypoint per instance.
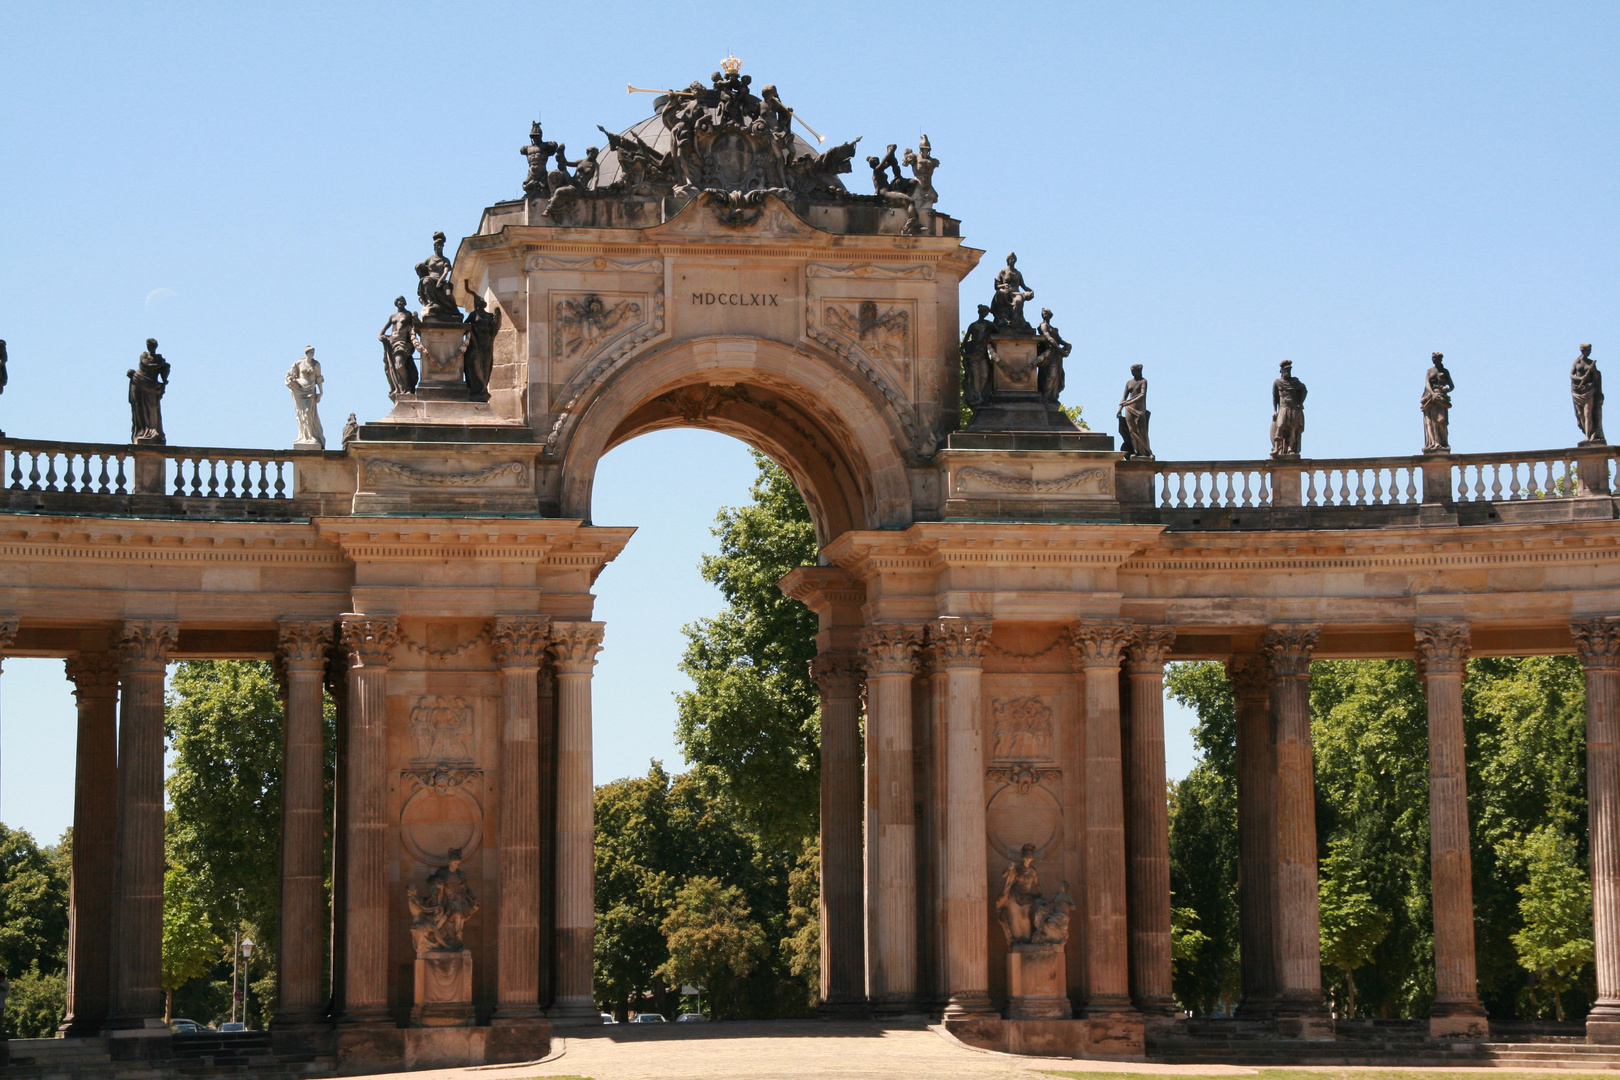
x,y
609,1018
233,1025
691,1018
184,1026
648,1018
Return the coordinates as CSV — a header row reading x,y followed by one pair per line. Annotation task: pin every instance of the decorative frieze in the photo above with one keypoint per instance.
x,y
506,474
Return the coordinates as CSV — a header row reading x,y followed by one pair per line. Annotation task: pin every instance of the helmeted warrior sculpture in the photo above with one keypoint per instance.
x,y
1586,389
1436,406
1287,413
147,382
435,287
1049,357
399,344
478,362
922,164
537,152
1025,916
1007,305
307,384
1133,418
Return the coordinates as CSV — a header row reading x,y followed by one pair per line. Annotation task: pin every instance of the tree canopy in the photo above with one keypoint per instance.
x,y
34,931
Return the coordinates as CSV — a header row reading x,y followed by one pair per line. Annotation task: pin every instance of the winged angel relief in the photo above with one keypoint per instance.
x,y
581,324
886,336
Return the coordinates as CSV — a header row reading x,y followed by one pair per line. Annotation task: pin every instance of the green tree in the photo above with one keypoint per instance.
x,y
190,946
802,947
752,719
713,941
1352,924
1555,902
33,903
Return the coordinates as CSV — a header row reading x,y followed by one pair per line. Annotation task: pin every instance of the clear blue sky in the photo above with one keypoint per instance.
x,y
1206,189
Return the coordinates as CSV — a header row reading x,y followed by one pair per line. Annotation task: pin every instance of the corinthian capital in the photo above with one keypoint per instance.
x,y
1598,643
303,645
574,646
1148,649
144,645
1289,649
890,648
1442,648
93,674
837,673
1250,676
1100,644
520,640
959,643
369,640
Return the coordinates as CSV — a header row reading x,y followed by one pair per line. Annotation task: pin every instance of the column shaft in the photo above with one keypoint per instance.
x,y
95,684
1250,676
1298,940
1147,824
299,1003
135,980
1598,642
891,831
1098,647
369,642
959,645
843,948
1442,653
519,647
574,647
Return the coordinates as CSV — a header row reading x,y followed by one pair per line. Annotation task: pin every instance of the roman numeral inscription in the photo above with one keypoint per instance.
x,y
709,299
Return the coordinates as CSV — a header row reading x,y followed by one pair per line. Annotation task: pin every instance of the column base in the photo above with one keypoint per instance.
x,y
908,1009
75,1028
1158,1007
1258,1007
1458,1020
1603,1024
366,1018
970,1005
573,1012
843,1009
311,1038
516,1015
140,1044
1119,1039
1304,1022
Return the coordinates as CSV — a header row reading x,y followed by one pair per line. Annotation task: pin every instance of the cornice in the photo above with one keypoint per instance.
x,y
1315,552
557,542
938,545
133,540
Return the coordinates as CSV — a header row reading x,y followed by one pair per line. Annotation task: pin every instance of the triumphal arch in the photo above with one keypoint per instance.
x,y
997,601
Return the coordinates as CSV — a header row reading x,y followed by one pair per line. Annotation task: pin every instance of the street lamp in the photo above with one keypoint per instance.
x,y
247,967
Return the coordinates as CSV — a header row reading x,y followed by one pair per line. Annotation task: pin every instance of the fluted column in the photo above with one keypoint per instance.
x,y
1598,642
1442,653
369,642
959,646
302,649
520,645
889,652
135,981
1098,647
95,784
1298,939
843,946
1250,677
1147,823
574,646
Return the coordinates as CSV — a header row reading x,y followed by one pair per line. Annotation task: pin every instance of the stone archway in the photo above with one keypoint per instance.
x,y
801,409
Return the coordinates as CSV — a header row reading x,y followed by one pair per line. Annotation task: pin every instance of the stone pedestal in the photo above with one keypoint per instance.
x,y
1015,401
443,990
1037,983
443,346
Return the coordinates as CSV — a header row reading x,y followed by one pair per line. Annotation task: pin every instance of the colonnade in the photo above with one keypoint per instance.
x,y
116,908
873,929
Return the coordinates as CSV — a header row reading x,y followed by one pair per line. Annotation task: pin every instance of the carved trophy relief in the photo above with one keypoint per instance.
x,y
883,333
1023,730
581,323
441,726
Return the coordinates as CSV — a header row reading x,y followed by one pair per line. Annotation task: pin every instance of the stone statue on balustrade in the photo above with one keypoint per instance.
x,y
1287,414
976,359
922,164
1586,388
537,153
1436,406
435,286
1037,928
307,384
1049,356
2,374
398,338
1133,418
1007,305
147,382
478,362
351,429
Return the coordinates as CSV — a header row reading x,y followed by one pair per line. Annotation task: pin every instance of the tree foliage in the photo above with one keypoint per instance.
x,y
34,931
1352,923
1555,903
190,946
753,720
712,940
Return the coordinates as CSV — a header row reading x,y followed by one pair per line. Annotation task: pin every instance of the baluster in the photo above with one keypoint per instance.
x,y
69,474
281,481
1247,495
1310,487
1341,496
1181,488
1496,481
33,470
1198,489
262,488
1378,487
1411,485
121,480
16,469
50,471
1515,489
1265,488
230,478
1223,485
1361,486
1479,481
213,478
180,476
101,481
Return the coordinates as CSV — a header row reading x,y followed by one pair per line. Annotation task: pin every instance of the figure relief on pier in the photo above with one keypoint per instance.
x,y
583,323
882,331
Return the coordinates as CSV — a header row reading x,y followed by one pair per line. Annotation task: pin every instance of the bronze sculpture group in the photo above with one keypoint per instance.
x,y
437,919
401,339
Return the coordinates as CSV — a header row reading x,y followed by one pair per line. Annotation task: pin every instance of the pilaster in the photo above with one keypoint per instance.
x,y
574,646
520,644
